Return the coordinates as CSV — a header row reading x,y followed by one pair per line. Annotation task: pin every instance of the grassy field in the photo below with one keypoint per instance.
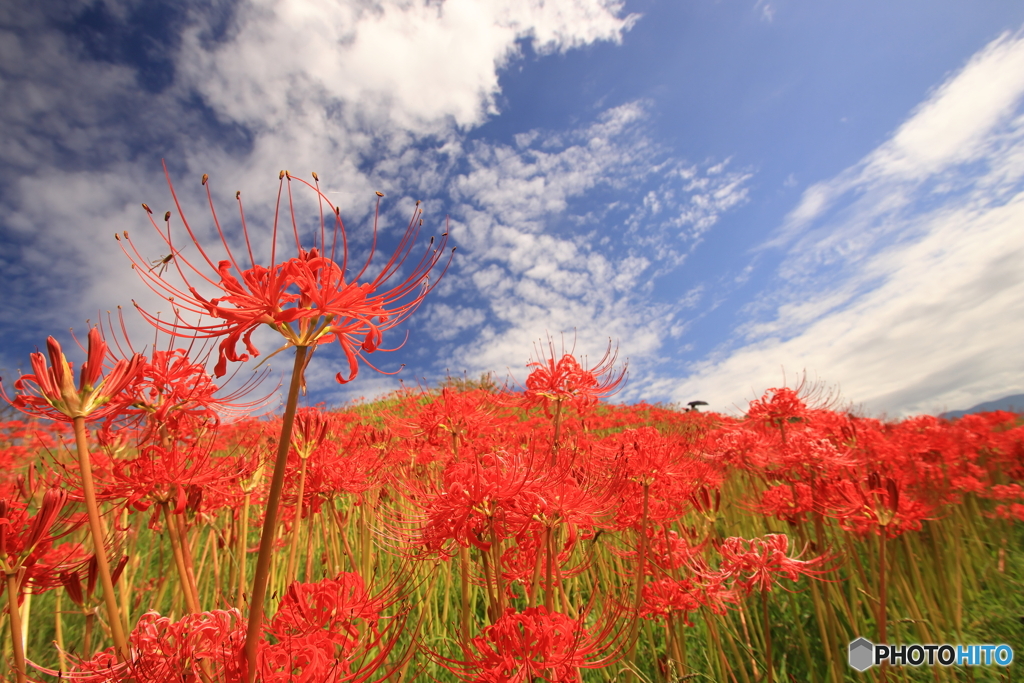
x,y
469,533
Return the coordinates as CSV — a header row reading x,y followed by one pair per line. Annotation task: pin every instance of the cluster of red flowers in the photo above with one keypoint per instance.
x,y
475,475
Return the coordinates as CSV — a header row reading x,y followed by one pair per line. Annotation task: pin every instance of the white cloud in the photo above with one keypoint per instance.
x,y
529,219
955,125
345,88
416,63
902,283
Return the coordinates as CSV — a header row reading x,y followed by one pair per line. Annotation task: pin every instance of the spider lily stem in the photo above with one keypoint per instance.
x,y
179,561
882,617
186,556
58,625
310,534
263,560
289,574
558,433
96,529
535,581
242,550
464,594
17,640
767,637
641,575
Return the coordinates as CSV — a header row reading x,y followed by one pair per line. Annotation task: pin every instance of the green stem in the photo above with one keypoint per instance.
x,y
15,624
767,636
186,557
262,575
464,594
59,630
641,575
179,560
558,433
242,549
96,529
882,618
289,574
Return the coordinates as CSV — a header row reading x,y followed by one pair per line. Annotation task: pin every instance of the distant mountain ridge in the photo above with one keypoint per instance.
x,y
1014,404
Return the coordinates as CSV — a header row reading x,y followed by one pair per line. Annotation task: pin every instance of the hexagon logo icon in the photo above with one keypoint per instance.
x,y
862,654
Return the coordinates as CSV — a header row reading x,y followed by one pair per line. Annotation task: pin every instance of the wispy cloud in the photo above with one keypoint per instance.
x,y
353,90
566,232
901,280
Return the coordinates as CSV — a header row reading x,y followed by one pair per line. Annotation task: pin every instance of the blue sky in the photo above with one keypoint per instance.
x,y
738,194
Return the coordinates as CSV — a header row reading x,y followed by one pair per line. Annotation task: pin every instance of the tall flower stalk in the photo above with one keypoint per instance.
x,y
307,298
50,392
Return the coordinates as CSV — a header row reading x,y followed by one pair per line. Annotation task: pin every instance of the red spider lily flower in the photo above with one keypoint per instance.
x,y
168,474
307,298
669,597
676,479
23,538
336,605
20,540
78,562
790,502
175,396
309,431
45,573
477,502
327,632
777,407
452,417
55,396
534,645
554,381
668,550
878,504
200,647
758,563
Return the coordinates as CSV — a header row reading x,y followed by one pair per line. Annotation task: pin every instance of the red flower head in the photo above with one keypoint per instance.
x,y
554,381
55,396
200,647
758,563
310,430
24,539
308,298
328,632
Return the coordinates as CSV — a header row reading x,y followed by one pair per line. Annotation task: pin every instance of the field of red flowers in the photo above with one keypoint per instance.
x,y
152,530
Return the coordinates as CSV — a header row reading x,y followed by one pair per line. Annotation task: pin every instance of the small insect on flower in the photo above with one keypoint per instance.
x,y
162,263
